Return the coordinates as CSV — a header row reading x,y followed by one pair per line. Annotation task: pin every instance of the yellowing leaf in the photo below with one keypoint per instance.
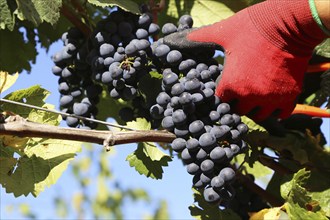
x,y
7,80
14,141
139,124
270,214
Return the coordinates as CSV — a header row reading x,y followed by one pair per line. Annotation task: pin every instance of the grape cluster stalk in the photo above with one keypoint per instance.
x,y
122,50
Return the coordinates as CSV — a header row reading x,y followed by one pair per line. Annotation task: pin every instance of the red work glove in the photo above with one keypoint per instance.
x,y
267,48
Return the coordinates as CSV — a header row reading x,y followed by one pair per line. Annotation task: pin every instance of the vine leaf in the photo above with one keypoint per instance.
x,y
40,162
127,5
7,80
148,160
16,53
37,11
6,17
323,48
206,211
139,124
276,213
258,170
302,203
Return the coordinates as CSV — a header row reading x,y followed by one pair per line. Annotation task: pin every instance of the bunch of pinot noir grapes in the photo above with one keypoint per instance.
x,y
208,135
115,57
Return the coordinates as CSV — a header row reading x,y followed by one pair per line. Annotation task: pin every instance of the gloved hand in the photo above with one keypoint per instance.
x,y
267,48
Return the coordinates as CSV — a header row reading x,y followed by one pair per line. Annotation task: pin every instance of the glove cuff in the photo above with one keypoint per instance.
x,y
296,30
316,17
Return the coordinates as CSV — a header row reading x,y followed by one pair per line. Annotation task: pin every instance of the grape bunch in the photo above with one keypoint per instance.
x,y
115,56
208,135
121,50
79,93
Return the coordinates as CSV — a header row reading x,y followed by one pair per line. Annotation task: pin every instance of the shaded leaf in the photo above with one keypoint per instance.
x,y
7,20
323,49
145,165
16,54
127,5
37,11
258,170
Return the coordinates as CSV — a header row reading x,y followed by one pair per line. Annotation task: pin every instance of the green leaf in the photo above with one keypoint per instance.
x,y
127,5
41,166
108,106
49,10
6,17
203,12
35,95
296,212
206,211
139,124
148,162
323,49
258,170
37,11
16,54
302,202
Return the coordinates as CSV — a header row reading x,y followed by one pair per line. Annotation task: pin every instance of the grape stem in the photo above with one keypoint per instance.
x,y
249,184
66,12
18,126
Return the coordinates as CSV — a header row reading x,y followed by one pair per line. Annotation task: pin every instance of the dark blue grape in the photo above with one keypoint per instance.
x,y
178,144
242,128
174,57
207,141
71,121
217,183
177,89
179,117
66,101
186,156
168,28
207,166
201,155
141,33
205,178
223,108
168,123
218,154
163,98
80,109
214,116
220,132
153,29
197,181
227,119
227,174
186,19
64,88
124,29
196,127
157,111
193,168
185,98
107,50
193,145
162,50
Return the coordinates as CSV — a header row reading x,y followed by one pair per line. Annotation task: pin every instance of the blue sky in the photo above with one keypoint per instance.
x,y
174,187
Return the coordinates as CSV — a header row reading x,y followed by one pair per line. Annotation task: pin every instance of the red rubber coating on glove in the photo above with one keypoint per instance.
x,y
267,49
